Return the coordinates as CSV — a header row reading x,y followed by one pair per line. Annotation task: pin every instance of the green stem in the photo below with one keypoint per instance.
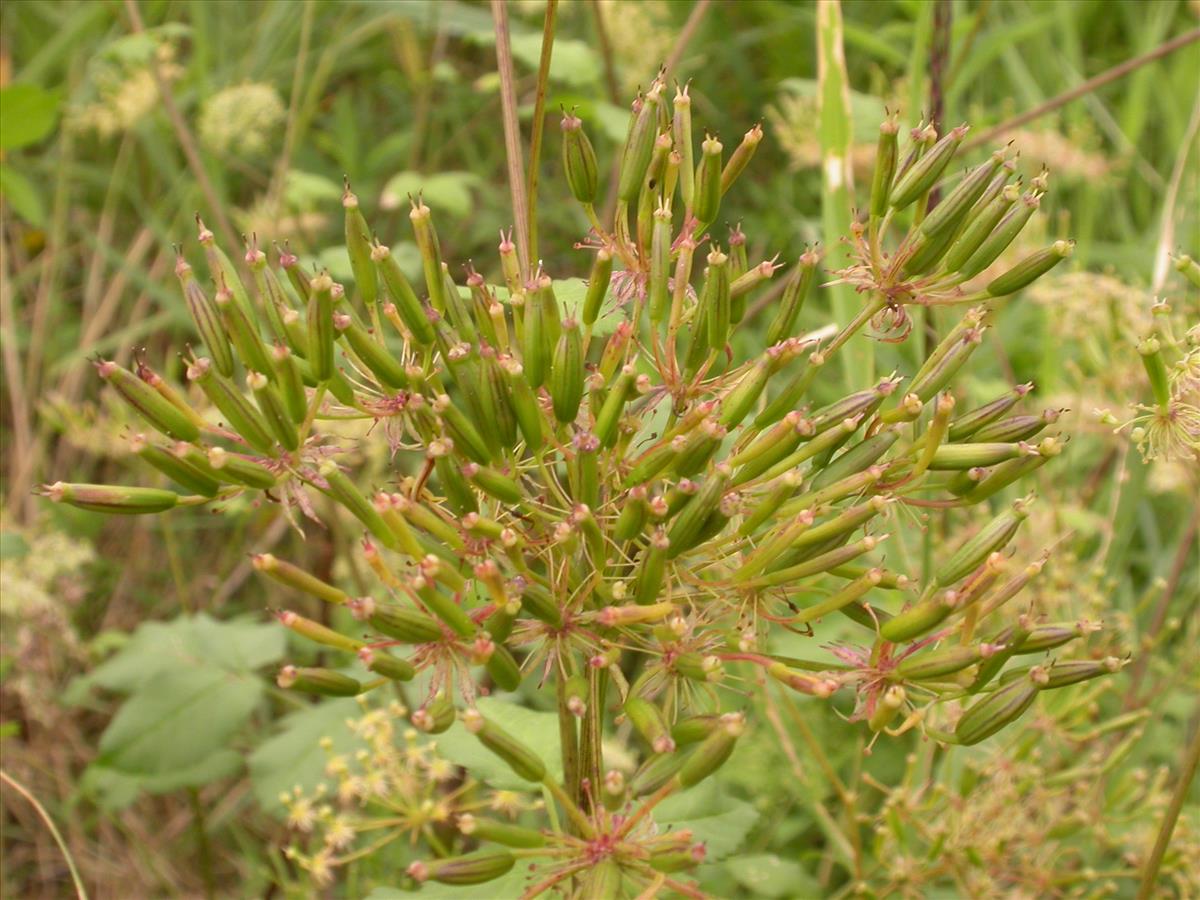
x,y
568,740
203,848
539,124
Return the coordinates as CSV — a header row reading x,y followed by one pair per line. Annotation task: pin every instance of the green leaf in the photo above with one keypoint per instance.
x,y
571,292
508,887
717,820
447,193
20,193
766,875
12,545
177,719
538,730
572,62
294,755
28,114
113,790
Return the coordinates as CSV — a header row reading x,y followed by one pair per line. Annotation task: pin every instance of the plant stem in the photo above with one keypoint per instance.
x,y
569,741
203,849
539,123
80,890
1186,774
512,133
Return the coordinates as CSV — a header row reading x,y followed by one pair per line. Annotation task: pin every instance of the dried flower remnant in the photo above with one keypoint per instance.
x,y
626,516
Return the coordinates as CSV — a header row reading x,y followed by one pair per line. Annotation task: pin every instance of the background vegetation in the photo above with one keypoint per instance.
x,y
270,104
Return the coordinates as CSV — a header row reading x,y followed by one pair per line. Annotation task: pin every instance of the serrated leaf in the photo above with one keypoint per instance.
x,y
294,755
538,730
177,719
28,114
766,875
717,820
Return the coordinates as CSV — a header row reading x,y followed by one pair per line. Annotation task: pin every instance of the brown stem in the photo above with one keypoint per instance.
x,y
1118,71
512,133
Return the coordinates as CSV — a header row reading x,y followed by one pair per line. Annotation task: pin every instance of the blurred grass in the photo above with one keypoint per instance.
x,y
405,94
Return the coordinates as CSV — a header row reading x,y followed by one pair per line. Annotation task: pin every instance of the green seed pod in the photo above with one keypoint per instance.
x,y
390,667
324,682
406,625
297,275
537,349
991,713
959,457
1061,674
239,414
1030,269
937,372
239,470
708,182
860,456
686,732
459,496
885,167
221,266
431,252
167,392
851,593
1007,641
1017,428
934,664
795,292
504,669
950,212
493,483
713,751
318,633
112,499
346,492
1001,236
604,880
925,172
242,330
456,310
830,561
358,245
408,307
566,373
686,528
524,762
271,404
597,287
373,354
1150,350
699,448
658,284
538,602
524,404
271,297
990,539
291,384
583,470
925,251
151,405
178,470
1047,637
296,578
966,425
436,716
656,772
648,721
320,326
651,463
1188,267
740,158
639,144
498,832
980,224
681,132
206,316
579,160
576,693
633,515
466,437
652,569
888,705
471,868
714,301
609,416
1015,469
919,619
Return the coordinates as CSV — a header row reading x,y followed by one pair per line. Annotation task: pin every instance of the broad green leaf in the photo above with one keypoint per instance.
x,y
27,114
308,191
717,820
20,193
177,719
294,755
114,790
539,731
447,193
766,875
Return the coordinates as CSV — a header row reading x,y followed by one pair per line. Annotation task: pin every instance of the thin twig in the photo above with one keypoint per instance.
x,y
512,133
187,143
1096,81
539,121
80,890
